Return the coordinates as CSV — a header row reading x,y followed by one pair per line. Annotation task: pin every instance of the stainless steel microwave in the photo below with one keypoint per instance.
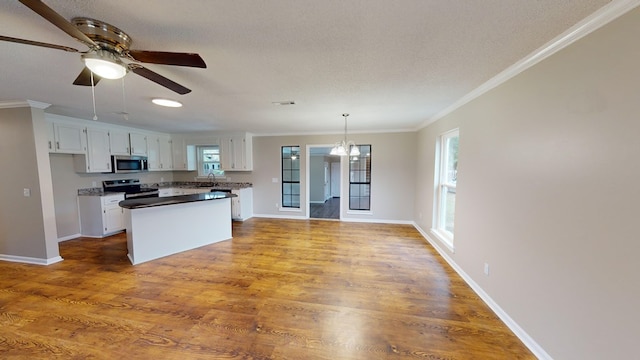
x,y
128,164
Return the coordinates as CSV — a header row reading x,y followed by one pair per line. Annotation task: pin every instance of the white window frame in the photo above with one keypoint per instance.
x,y
282,173
442,185
219,175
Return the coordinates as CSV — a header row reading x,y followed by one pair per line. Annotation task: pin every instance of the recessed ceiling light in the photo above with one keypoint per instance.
x,y
166,102
283,102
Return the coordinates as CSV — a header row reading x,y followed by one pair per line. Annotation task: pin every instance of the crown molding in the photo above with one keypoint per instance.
x,y
24,103
586,26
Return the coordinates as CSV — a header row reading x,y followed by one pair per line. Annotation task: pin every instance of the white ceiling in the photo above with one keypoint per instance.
x,y
391,64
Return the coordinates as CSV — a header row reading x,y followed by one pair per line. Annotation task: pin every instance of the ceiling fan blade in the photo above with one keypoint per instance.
x,y
84,79
56,19
38,43
159,79
168,58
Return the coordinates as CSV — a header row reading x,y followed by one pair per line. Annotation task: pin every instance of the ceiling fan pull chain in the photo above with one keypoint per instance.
x,y
125,115
93,96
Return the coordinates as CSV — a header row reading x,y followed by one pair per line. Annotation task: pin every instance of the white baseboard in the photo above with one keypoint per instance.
x,y
378,221
528,341
69,237
277,216
293,217
30,260
317,202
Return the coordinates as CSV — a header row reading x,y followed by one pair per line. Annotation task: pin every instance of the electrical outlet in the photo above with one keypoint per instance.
x,y
486,269
26,192
161,179
94,184
274,180
277,205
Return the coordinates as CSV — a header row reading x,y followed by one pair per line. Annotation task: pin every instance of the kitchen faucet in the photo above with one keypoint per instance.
x,y
212,178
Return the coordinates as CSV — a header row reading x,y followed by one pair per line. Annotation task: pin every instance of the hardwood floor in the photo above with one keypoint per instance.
x,y
281,289
330,209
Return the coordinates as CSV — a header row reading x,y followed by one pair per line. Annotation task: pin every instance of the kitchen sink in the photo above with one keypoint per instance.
x,y
214,189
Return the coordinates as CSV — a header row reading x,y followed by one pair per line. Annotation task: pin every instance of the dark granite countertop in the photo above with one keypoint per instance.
x,y
98,191
173,200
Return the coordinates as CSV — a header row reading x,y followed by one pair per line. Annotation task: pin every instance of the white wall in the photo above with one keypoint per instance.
x,y
27,228
393,174
548,195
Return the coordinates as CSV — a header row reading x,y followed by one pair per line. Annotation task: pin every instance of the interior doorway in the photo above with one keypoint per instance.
x,y
323,185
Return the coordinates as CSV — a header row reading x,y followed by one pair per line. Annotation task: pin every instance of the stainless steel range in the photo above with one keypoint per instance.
x,y
130,187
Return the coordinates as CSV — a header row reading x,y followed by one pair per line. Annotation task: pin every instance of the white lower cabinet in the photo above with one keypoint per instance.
x,y
242,205
101,216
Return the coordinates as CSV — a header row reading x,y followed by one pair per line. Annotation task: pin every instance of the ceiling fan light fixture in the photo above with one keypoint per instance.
x,y
166,102
105,64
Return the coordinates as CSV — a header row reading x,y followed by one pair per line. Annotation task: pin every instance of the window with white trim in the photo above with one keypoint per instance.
x,y
209,161
360,179
446,179
290,176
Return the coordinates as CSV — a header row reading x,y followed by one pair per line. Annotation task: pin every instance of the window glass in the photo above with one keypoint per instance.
x,y
447,162
290,156
209,160
360,179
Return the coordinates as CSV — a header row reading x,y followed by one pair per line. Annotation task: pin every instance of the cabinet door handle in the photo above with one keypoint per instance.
x,y
58,145
49,144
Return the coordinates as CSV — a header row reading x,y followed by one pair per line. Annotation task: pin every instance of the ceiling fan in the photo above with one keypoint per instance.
x,y
109,55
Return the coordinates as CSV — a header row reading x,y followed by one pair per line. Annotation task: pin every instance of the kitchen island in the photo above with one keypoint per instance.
x,y
162,226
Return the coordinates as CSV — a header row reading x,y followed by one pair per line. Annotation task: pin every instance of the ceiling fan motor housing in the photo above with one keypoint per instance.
x,y
107,36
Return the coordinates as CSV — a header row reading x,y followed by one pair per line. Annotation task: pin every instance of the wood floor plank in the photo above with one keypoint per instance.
x,y
280,289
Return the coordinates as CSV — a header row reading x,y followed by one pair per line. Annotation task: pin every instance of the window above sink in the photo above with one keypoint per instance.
x,y
209,161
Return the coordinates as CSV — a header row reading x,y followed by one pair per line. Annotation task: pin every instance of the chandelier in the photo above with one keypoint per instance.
x,y
344,147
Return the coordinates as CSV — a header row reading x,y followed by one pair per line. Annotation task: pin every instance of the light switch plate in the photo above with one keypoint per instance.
x,y
26,192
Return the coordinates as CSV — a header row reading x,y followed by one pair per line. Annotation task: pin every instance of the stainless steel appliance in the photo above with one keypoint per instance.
x,y
130,187
129,164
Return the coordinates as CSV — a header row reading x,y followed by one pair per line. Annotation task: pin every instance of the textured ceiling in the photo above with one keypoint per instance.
x,y
391,64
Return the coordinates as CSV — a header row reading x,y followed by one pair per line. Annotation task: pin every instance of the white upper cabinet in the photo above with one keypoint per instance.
x,y
69,138
138,144
166,153
51,137
119,142
184,156
98,158
236,153
159,152
153,152
98,154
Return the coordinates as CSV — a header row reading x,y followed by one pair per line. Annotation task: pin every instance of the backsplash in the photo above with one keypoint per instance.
x,y
168,184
